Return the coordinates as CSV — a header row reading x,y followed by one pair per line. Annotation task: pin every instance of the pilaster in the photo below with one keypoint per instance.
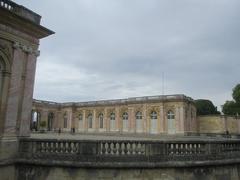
x,y
13,105
28,94
161,120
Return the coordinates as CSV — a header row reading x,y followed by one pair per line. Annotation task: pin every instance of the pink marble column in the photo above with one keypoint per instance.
x,y
132,119
14,94
162,124
5,85
144,119
117,125
27,95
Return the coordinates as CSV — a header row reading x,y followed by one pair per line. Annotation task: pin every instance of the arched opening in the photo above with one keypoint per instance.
x,y
100,118
139,127
125,121
65,120
153,126
35,120
90,121
4,83
112,121
80,122
171,122
50,121
1,82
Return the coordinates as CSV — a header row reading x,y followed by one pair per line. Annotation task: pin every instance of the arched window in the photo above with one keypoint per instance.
x,y
65,119
112,121
35,120
171,122
125,121
80,117
4,81
170,115
50,121
90,121
100,118
153,115
80,123
153,122
139,126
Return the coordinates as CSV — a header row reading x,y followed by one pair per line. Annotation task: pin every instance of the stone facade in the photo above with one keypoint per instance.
x,y
175,114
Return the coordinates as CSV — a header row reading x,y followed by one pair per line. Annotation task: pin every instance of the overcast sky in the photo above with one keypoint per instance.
x,y
108,49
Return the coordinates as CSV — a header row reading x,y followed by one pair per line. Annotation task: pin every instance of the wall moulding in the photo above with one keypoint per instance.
x,y
11,34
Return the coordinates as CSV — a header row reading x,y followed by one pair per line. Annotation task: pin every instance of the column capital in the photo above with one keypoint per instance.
x,y
26,48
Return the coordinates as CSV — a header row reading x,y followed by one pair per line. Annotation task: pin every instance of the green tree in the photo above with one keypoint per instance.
x,y
233,107
230,108
205,107
236,93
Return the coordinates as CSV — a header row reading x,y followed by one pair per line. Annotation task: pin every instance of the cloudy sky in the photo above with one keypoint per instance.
x,y
108,49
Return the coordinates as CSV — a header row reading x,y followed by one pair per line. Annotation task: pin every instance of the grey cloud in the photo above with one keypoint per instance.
x,y
120,48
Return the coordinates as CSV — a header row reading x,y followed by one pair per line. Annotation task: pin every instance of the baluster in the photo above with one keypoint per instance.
x,y
190,148
120,148
138,148
117,148
69,147
103,148
114,148
168,149
130,148
63,147
143,148
74,147
175,149
125,149
44,146
59,147
54,147
133,147
108,148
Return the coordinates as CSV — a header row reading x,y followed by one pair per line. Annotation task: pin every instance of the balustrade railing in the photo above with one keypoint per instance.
x,y
20,10
119,151
120,148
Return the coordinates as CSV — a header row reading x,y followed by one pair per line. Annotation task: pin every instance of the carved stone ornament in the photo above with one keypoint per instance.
x,y
99,111
151,109
5,47
110,111
123,110
88,112
138,109
25,48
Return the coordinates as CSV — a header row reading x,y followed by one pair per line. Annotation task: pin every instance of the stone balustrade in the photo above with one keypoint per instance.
x,y
20,10
121,153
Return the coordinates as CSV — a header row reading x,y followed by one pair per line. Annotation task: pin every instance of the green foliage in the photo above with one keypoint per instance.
x,y
205,107
43,124
233,107
236,93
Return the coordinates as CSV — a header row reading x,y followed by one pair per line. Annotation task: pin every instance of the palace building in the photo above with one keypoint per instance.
x,y
166,114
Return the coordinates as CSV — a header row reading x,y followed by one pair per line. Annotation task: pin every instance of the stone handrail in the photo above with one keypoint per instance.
x,y
116,101
119,153
20,10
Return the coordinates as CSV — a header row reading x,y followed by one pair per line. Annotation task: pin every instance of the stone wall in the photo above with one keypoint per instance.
x,y
218,124
194,173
